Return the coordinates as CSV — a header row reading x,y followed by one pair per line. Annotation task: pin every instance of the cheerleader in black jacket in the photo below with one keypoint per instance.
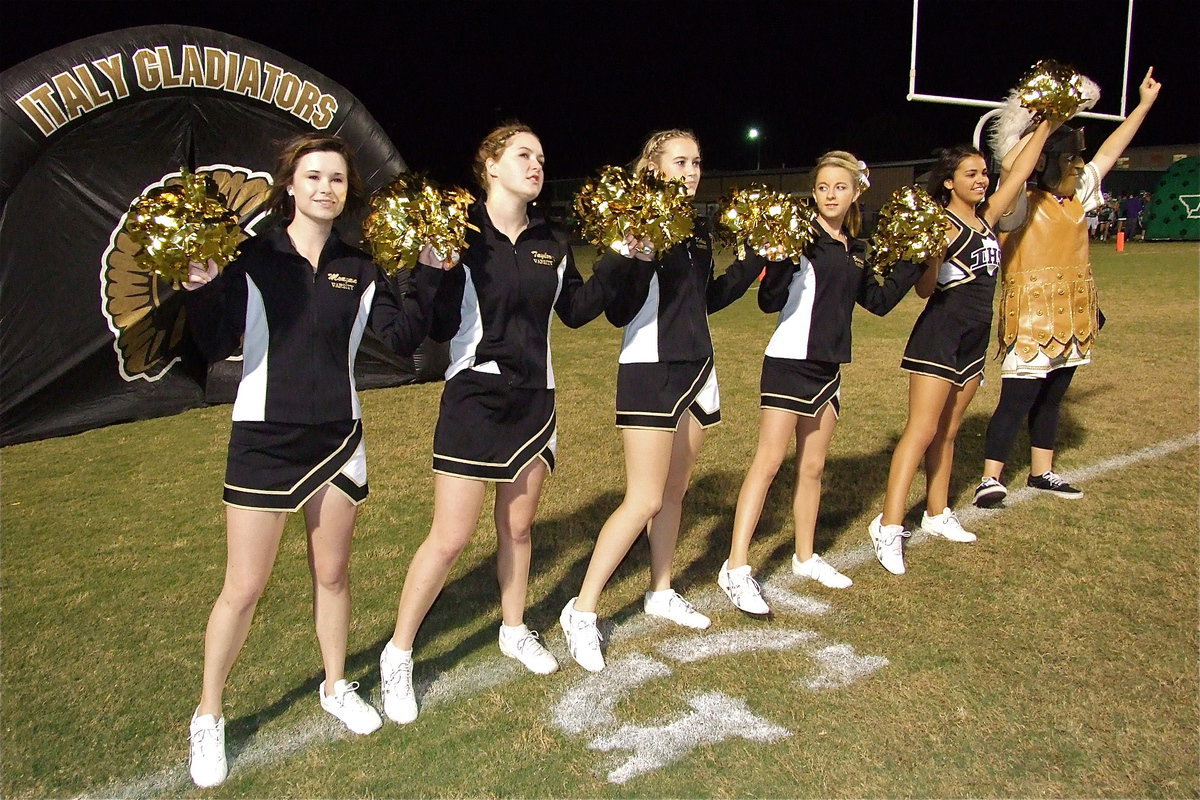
x,y
801,373
497,421
945,352
298,299
666,397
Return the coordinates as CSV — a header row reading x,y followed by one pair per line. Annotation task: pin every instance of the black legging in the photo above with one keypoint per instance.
x,y
1037,398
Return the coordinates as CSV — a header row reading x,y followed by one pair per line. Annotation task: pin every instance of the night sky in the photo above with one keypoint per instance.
x,y
593,78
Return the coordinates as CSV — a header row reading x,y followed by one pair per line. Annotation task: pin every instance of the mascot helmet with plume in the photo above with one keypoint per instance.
x,y
1017,120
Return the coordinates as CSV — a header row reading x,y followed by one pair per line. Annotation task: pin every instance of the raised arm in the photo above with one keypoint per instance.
x,y
1012,179
1116,143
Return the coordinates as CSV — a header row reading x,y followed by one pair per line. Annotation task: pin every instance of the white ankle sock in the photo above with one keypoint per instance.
x,y
511,632
396,654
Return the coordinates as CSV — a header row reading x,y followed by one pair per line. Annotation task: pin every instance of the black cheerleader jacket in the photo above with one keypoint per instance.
x,y
495,307
299,329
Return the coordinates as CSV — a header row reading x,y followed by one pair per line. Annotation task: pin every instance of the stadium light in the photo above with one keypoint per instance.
x,y
754,135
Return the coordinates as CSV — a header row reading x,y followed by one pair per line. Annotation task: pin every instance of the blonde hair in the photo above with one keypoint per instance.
x,y
652,150
493,146
858,171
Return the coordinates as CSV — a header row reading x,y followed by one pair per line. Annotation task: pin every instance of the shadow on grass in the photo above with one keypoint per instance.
x,y
469,601
969,446
850,486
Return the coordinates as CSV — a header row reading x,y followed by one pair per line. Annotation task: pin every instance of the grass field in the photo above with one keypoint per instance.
x,y
1057,657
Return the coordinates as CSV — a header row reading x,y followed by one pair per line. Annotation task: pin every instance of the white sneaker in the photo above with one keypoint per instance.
x,y
395,673
820,571
669,604
742,590
525,647
945,525
889,544
206,751
352,710
583,637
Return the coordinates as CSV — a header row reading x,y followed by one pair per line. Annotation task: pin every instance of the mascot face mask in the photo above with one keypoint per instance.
x,y
1062,162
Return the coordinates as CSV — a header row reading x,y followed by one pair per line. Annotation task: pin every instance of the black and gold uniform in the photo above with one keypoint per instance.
x,y
815,300
949,340
497,409
297,418
666,361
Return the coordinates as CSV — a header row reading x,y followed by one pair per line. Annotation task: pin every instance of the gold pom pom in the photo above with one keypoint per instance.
x,y
180,223
765,220
1052,90
912,227
616,204
412,212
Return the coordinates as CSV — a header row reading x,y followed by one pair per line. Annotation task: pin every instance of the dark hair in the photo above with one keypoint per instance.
x,y
948,159
493,146
280,203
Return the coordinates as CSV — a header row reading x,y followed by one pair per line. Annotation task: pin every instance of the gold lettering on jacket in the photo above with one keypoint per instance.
x,y
339,281
542,259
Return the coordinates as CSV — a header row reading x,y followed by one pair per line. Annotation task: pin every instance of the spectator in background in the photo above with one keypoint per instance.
x,y
1114,210
1132,211
1105,215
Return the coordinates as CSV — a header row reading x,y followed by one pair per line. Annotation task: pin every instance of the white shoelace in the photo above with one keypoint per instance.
x,y
1054,479
892,538
823,569
677,600
349,695
747,586
398,678
530,644
206,741
580,641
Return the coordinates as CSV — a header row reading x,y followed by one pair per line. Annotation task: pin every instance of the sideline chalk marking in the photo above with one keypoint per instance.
x,y
715,718
590,702
842,666
260,751
722,643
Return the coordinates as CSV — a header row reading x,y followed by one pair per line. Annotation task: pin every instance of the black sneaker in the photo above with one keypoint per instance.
x,y
1052,483
989,493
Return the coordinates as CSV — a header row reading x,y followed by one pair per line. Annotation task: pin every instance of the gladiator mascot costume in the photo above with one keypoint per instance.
x,y
1049,317
1048,313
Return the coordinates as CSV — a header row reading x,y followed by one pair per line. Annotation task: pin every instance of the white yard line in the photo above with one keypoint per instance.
x,y
263,750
